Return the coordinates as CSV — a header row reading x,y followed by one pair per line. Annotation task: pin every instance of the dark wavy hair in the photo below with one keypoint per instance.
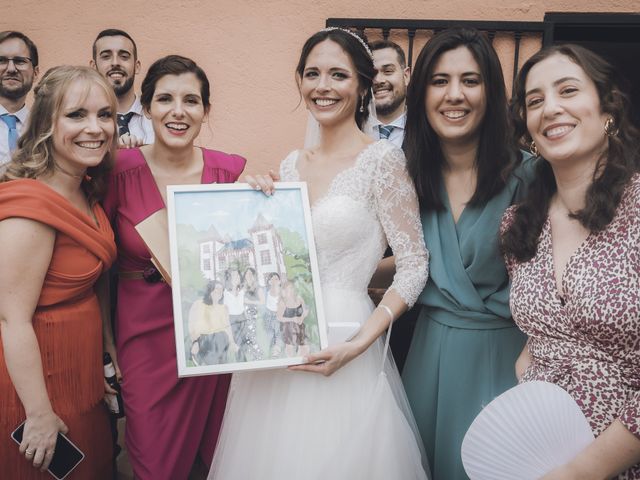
x,y
207,298
256,285
496,150
34,155
227,280
173,65
613,171
358,55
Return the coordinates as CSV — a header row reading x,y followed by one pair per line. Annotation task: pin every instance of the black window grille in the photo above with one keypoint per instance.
x,y
515,31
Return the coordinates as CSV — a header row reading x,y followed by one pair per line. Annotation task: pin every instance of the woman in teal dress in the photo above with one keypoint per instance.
x,y
467,171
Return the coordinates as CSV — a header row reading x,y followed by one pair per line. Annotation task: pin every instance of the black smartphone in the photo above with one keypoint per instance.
x,y
66,457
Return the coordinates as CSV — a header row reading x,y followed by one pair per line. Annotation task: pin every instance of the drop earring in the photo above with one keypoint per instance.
x,y
610,129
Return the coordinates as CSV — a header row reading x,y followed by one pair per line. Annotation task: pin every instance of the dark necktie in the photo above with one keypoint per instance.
x,y
385,131
123,122
12,123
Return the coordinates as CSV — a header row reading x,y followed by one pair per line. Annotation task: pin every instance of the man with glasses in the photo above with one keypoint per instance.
x,y
115,57
18,69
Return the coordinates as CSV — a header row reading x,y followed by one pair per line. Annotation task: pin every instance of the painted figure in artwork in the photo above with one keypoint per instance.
x,y
291,314
270,319
209,328
244,330
253,295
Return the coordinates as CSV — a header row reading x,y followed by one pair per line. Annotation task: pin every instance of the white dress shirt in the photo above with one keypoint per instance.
x,y
139,125
397,135
22,114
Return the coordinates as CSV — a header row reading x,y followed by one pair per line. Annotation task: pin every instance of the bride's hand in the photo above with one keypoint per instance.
x,y
329,360
263,182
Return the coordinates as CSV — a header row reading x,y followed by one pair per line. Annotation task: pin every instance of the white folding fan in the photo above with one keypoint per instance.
x,y
525,433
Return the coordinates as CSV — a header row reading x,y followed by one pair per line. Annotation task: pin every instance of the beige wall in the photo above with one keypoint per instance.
x,y
249,48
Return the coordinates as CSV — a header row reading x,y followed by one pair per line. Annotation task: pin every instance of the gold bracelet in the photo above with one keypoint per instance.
x,y
388,310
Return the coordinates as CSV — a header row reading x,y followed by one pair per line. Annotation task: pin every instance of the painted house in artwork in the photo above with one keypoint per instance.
x,y
208,249
262,250
268,249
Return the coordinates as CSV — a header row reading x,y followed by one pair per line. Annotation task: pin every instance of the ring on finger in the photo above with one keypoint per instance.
x,y
28,453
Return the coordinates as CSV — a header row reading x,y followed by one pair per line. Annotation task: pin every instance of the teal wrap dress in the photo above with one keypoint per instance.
x,y
465,344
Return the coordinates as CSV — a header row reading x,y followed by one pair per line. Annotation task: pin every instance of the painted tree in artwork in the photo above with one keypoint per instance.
x,y
239,264
296,255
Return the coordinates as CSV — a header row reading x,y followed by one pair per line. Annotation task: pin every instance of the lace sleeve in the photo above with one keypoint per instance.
x,y
288,171
398,211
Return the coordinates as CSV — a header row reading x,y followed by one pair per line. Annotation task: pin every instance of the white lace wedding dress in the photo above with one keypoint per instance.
x,y
355,424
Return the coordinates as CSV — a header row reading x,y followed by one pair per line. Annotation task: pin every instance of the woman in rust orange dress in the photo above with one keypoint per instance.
x,y
56,244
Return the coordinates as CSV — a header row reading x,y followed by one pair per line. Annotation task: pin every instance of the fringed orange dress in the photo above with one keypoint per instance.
x,y
68,327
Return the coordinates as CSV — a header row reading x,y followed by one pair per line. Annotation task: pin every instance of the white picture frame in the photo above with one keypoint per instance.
x,y
231,249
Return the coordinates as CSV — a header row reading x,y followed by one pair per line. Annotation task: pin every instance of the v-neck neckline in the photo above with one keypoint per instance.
x,y
561,295
331,183
447,205
155,183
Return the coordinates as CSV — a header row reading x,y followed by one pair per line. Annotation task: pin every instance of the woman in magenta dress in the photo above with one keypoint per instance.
x,y
169,420
573,251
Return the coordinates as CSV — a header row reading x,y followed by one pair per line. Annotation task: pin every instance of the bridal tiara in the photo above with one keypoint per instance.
x,y
357,37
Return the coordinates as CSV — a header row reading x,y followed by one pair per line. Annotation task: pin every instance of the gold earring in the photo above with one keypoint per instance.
x,y
533,148
610,128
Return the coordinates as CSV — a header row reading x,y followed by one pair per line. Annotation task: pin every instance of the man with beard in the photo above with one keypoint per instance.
x,y
18,69
390,90
115,56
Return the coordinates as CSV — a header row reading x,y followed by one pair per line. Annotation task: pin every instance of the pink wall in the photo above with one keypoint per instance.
x,y
249,49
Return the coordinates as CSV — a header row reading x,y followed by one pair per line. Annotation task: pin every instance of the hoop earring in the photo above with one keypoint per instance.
x,y
533,148
361,104
610,129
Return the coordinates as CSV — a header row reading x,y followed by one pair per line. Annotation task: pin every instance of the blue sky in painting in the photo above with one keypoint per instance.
x,y
234,212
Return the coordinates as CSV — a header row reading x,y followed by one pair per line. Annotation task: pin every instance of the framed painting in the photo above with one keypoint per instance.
x,y
244,274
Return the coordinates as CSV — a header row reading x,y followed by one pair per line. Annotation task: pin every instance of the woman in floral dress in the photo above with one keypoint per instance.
x,y
573,252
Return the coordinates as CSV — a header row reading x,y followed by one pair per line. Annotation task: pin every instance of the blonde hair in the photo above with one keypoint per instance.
x,y
33,156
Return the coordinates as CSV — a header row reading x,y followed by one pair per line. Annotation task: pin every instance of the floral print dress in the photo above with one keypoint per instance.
x,y
587,342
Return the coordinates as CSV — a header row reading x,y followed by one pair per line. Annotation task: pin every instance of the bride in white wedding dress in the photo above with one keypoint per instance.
x,y
343,415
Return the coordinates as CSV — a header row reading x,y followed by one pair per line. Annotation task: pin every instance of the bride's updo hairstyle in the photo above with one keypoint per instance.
x,y
356,48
